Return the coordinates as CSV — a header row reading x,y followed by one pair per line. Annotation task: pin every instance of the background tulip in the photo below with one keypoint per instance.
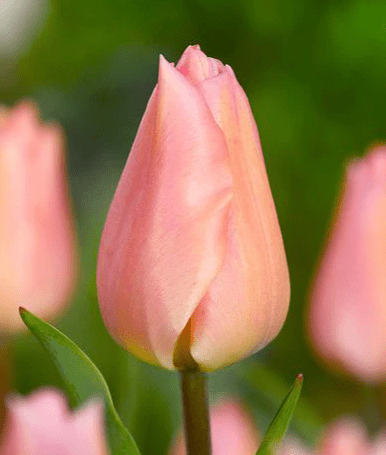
x,y
233,431
37,247
41,424
379,445
346,436
191,267
347,313
293,446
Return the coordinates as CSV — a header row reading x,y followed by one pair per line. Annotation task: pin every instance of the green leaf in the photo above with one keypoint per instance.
x,y
264,389
280,422
81,376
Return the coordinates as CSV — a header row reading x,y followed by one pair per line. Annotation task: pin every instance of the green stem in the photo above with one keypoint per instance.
x,y
196,415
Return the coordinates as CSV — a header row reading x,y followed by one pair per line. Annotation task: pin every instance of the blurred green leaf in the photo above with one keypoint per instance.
x,y
280,422
267,388
82,380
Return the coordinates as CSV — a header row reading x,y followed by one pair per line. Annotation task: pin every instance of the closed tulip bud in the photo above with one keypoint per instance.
x,y
379,445
346,436
41,424
37,247
293,446
347,312
192,268
232,431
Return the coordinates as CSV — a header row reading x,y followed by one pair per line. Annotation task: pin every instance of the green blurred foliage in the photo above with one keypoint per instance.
x,y
314,73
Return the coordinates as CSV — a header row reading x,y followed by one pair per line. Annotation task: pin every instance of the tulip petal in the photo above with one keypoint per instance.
x,y
379,445
254,271
197,67
293,446
42,425
51,212
345,437
169,217
347,313
37,248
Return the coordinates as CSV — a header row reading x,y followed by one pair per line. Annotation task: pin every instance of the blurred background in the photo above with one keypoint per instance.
x,y
314,72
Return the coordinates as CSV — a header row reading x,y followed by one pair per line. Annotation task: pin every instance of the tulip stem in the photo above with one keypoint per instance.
x,y
196,412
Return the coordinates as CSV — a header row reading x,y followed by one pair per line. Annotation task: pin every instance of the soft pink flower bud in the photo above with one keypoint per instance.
x,y
344,437
293,446
347,314
233,431
37,247
379,445
41,424
191,267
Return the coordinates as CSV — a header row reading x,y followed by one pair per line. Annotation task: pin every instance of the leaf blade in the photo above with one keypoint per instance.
x,y
80,375
281,420
265,389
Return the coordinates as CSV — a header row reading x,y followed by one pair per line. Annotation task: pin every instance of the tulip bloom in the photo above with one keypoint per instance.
x,y
42,425
191,267
232,431
347,313
37,247
344,437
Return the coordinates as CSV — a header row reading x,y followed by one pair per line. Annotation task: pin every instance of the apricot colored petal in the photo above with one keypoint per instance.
x,y
345,437
293,446
16,135
197,67
41,424
347,314
37,253
50,213
169,217
379,445
247,302
89,421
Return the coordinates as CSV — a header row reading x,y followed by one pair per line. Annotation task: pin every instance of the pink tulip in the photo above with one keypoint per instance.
x,y
347,314
379,445
192,268
344,437
37,247
232,428
41,424
293,446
